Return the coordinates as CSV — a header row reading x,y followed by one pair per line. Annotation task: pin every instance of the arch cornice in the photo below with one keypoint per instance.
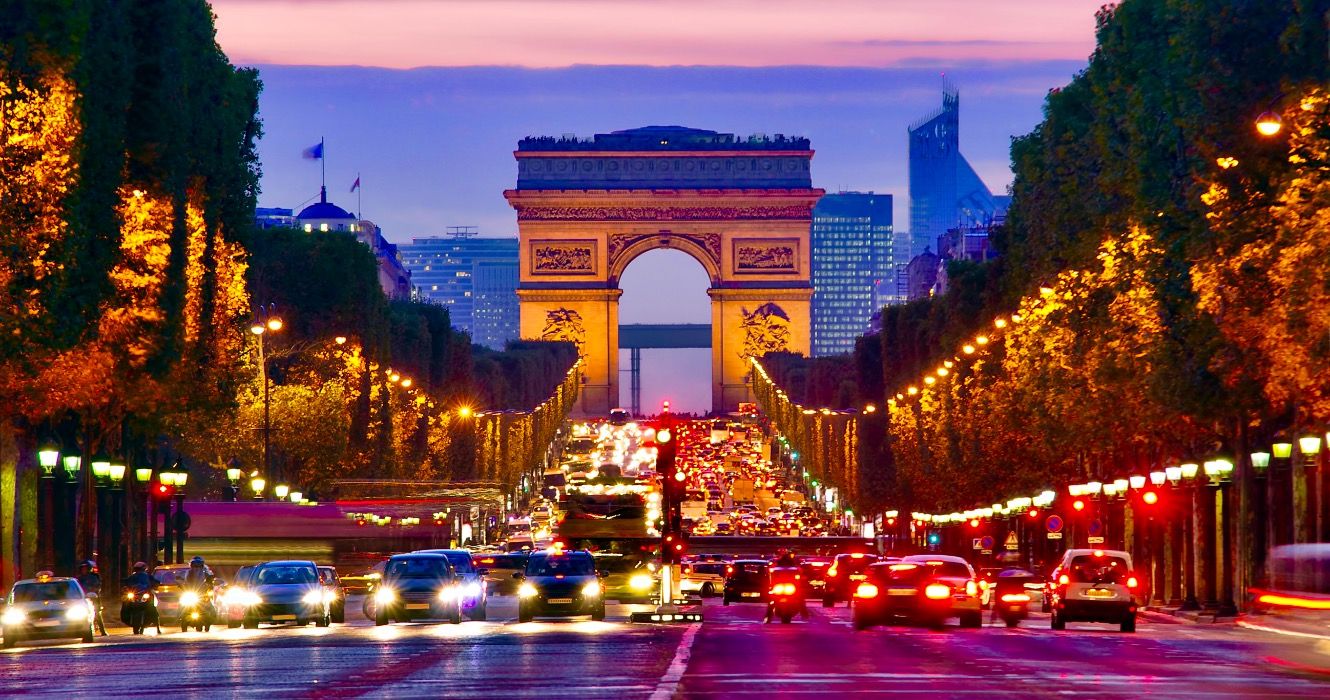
x,y
702,247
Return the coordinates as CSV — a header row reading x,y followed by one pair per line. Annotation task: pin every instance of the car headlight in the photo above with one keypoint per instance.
x,y
77,612
527,590
249,598
13,616
189,599
447,594
384,596
591,590
472,590
640,582
314,598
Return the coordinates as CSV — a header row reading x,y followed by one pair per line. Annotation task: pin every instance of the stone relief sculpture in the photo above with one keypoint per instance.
x,y
564,324
574,257
766,329
779,255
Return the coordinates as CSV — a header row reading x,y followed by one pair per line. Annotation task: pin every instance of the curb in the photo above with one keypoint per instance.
x,y
1186,617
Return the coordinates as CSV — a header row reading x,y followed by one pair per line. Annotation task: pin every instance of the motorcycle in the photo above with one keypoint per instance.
x,y
197,611
138,609
785,599
1011,598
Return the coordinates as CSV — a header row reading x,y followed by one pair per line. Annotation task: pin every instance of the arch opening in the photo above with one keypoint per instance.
x,y
665,304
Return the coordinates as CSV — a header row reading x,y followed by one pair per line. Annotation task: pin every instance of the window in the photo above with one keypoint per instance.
x,y
323,227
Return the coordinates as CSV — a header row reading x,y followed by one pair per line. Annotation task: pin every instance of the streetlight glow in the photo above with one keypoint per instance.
x,y
275,324
1269,124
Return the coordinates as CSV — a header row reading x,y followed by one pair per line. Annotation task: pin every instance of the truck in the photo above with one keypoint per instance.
x,y
741,490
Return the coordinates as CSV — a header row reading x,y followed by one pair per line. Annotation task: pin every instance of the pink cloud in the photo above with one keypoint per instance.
x,y
554,33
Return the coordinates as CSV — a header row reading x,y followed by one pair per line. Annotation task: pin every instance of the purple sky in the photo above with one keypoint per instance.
x,y
426,99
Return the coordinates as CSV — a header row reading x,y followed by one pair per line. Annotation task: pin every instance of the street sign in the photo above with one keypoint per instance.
x,y
1096,529
986,542
1094,540
1012,544
1054,525
1055,535
978,543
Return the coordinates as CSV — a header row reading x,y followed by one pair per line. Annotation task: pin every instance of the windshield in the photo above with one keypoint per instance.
x,y
560,566
54,590
708,568
1098,569
418,567
748,570
461,562
285,575
855,565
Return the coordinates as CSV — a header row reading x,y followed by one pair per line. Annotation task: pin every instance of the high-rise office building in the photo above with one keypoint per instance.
x,y
853,253
474,277
945,192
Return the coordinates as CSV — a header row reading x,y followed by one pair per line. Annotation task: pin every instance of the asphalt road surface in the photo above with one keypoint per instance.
x,y
732,654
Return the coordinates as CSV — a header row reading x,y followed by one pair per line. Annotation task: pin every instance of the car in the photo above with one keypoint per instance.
x,y
418,586
363,581
559,583
706,578
475,600
500,568
814,572
170,577
1093,585
746,580
844,575
47,607
724,529
924,589
333,583
234,599
287,591
626,579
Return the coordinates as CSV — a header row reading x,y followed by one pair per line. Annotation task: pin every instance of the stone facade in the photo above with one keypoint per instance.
x,y
577,239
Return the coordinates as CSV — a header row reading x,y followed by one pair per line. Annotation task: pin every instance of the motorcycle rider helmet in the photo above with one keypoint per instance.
x,y
196,561
140,566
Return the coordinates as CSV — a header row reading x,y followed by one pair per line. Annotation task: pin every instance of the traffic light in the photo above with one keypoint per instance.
x,y
1034,513
1078,504
1150,498
671,548
162,491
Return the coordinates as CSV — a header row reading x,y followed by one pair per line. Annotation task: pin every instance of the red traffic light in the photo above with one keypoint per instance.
x,y
1034,513
891,521
974,522
1078,504
163,491
1150,498
680,476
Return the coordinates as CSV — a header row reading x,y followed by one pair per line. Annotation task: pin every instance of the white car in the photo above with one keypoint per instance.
x,y
1093,585
47,607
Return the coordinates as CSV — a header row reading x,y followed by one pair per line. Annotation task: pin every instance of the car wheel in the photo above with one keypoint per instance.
x,y
786,618
1044,605
480,613
251,624
862,620
232,624
324,621
455,617
708,590
1011,621
1129,624
598,614
828,602
1056,622
725,600
88,638
524,615
10,640
972,621
381,617
184,627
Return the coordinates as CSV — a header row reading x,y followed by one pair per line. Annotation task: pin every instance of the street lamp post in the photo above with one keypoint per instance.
x,y
1188,474
143,477
1222,477
266,321
233,476
48,457
115,556
180,524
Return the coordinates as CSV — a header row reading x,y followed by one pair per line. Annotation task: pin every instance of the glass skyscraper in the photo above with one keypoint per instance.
x,y
474,277
945,192
853,252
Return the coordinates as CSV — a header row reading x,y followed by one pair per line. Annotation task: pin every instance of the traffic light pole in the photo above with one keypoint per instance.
x,y
671,536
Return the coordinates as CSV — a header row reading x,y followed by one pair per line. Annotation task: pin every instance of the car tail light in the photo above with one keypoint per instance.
x,y
1063,580
1132,582
832,572
983,585
1015,598
729,570
937,591
971,588
865,590
783,589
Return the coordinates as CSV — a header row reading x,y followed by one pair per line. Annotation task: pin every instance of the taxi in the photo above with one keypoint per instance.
x,y
47,607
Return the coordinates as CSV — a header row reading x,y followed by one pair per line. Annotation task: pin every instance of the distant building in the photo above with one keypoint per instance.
x,y
853,253
945,192
971,243
922,273
273,217
475,278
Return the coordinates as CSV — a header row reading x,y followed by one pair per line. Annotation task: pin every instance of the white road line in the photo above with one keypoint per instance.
x,y
669,683
1290,633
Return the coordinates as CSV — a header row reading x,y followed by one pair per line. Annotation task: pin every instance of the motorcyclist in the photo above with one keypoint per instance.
x,y
141,579
91,582
199,577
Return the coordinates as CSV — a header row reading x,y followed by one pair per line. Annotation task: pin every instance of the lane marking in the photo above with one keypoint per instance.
x,y
1289,633
669,683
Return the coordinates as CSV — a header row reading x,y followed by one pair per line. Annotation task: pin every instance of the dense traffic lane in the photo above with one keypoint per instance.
x,y
584,659
735,654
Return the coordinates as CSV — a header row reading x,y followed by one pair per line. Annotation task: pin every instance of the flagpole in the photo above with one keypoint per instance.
x,y
360,211
323,162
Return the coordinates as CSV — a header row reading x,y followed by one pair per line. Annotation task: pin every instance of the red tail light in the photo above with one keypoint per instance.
x,y
865,590
1063,580
971,588
1132,582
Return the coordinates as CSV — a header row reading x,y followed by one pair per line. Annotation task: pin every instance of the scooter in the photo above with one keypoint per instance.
x,y
1011,600
197,611
785,599
138,609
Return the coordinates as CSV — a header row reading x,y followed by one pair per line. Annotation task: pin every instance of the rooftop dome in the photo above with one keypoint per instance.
x,y
323,209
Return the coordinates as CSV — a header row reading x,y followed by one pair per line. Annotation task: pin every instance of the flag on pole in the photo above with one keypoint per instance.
x,y
355,185
314,152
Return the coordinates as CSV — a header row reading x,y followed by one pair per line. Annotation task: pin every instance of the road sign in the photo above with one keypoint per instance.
x,y
978,543
1055,535
1012,544
1094,540
1096,529
1054,525
986,542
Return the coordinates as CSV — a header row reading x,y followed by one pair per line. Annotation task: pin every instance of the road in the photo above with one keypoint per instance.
x,y
732,654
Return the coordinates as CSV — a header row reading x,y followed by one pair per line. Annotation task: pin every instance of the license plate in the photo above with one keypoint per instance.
x,y
46,623
858,577
283,617
417,606
901,591
560,601
1100,593
750,595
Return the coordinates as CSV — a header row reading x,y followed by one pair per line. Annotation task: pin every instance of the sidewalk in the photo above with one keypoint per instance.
x,y
1163,613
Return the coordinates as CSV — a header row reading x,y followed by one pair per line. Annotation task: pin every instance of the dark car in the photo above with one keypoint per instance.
x,y
287,591
813,571
560,584
746,580
844,575
418,586
474,597
923,589
500,568
333,583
